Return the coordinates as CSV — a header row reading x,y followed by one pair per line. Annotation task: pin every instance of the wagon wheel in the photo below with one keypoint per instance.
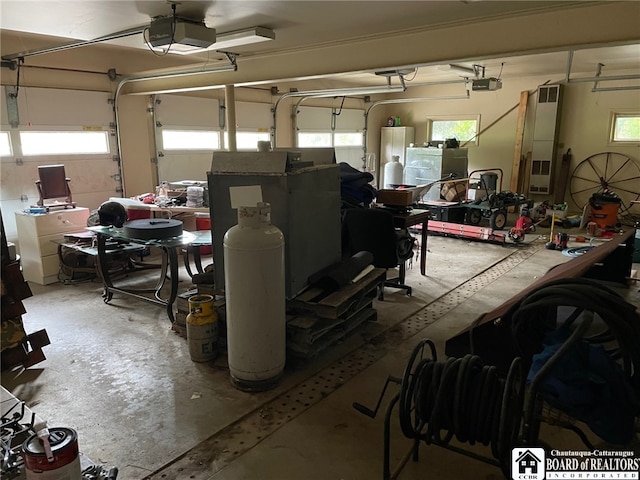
x,y
606,171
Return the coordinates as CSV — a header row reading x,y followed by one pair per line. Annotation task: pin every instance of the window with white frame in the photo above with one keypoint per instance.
x,y
625,128
463,128
190,139
64,143
5,144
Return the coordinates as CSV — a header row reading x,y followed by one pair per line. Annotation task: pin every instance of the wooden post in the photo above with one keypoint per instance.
x,y
517,154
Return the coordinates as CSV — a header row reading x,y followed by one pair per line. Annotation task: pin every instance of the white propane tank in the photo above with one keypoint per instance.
x,y
393,172
255,299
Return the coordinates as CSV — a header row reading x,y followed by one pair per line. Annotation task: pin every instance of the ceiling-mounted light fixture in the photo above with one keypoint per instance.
x,y
243,37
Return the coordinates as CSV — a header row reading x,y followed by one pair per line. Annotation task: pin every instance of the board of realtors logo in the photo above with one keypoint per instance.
x,y
527,464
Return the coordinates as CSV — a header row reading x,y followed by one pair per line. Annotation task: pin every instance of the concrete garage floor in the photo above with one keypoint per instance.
x,y
120,377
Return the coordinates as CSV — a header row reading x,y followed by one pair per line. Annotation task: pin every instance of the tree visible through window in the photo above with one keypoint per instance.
x,y
463,129
626,128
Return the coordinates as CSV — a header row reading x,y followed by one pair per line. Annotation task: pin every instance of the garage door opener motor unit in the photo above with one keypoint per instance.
x,y
486,84
180,35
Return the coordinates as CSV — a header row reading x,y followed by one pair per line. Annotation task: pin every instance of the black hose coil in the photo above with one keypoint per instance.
x,y
461,398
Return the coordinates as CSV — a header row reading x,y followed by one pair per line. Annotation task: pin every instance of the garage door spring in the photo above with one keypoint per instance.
x,y
461,398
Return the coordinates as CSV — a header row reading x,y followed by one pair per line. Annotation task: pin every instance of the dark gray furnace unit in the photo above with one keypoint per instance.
x,y
305,206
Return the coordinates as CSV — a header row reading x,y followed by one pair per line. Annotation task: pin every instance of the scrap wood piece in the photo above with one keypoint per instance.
x,y
335,304
28,352
308,329
306,351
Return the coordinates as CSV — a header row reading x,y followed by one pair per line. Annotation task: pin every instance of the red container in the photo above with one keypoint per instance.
x,y
134,213
203,222
66,456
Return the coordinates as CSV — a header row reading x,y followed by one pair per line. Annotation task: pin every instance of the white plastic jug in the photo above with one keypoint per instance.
x,y
393,172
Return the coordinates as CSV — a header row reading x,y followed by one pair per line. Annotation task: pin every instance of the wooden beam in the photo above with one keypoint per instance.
x,y
517,154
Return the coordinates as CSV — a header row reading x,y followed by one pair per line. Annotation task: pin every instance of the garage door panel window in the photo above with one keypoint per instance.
x,y
190,140
347,139
64,143
314,139
248,140
5,145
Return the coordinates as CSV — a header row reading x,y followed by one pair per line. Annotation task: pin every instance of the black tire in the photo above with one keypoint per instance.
x,y
498,220
474,216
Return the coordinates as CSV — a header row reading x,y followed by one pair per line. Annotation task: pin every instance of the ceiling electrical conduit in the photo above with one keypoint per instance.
x,y
76,44
157,76
351,91
338,92
597,78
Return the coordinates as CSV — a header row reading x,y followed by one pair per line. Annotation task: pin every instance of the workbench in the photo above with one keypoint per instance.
x,y
408,219
168,267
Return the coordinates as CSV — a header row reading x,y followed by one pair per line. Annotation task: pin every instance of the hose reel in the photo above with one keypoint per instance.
x,y
461,398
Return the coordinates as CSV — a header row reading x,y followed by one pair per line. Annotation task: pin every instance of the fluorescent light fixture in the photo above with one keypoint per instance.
x,y
346,92
180,49
459,68
242,37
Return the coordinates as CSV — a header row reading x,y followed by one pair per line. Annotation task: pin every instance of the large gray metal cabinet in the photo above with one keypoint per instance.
x,y
424,165
305,206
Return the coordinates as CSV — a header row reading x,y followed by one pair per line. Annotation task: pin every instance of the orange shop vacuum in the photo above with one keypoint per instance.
x,y
604,209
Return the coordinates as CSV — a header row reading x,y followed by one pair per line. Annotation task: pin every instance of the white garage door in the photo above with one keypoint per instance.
x,y
40,118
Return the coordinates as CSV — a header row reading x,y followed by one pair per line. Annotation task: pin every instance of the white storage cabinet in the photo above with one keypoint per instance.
x,y
393,141
36,240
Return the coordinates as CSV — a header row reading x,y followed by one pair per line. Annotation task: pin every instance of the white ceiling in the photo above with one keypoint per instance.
x,y
304,23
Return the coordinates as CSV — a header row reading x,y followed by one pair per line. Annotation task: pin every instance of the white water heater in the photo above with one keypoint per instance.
x,y
255,299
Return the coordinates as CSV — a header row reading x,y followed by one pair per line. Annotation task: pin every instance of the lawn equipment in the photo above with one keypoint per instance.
x,y
524,225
